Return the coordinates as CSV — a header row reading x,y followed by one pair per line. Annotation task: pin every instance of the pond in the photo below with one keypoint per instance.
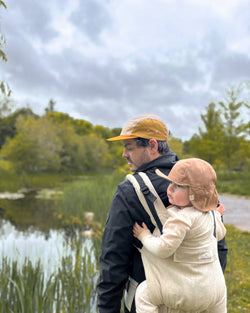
x,y
44,268
29,229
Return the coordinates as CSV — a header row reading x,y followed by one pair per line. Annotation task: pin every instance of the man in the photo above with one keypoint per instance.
x,y
145,148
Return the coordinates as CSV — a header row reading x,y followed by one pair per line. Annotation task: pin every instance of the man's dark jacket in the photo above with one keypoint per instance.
x,y
119,258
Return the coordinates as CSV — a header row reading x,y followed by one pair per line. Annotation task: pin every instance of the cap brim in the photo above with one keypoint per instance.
x,y
117,138
159,173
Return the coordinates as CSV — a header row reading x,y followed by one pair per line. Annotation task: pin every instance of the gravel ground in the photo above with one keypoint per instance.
x,y
237,211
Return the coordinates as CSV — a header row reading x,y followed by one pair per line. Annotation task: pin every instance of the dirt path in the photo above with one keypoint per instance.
x,y
237,211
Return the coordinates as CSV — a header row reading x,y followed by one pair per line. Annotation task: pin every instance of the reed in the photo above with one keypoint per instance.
x,y
90,194
71,289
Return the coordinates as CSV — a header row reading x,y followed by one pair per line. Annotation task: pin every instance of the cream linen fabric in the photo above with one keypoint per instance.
x,y
182,267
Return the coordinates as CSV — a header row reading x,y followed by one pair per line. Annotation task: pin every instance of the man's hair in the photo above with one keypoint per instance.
x,y
163,146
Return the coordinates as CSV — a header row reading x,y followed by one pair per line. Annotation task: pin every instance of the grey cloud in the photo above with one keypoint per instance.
x,y
28,69
92,17
31,20
230,67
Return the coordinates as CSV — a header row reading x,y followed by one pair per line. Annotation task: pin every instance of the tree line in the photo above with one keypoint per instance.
x,y
57,142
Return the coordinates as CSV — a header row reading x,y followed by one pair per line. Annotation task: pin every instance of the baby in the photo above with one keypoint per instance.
x,y
183,273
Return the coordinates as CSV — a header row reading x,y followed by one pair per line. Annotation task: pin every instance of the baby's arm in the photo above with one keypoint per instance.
x,y
220,228
167,243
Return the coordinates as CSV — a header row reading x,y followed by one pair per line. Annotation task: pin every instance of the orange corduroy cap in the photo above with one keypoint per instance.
x,y
144,126
200,177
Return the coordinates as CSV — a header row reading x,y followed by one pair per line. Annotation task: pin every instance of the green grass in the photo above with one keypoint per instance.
x,y
237,270
12,182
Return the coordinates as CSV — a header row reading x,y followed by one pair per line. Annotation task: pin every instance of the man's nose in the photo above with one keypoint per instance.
x,y
124,154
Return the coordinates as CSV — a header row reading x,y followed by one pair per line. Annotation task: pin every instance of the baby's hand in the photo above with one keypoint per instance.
x,y
220,208
137,229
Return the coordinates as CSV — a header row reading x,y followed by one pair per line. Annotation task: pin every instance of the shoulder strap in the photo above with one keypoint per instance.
x,y
214,223
147,195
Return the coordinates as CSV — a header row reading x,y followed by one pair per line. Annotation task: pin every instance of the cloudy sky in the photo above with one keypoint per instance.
x,y
106,61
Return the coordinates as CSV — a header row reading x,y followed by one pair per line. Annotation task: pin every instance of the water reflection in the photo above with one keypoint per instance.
x,y
30,211
18,245
29,230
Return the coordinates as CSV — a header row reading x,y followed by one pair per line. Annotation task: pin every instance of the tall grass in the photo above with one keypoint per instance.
x,y
91,194
72,289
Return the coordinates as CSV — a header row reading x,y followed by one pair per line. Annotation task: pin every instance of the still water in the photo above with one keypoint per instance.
x,y
34,245
28,230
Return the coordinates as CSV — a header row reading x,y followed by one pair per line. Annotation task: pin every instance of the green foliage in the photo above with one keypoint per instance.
x,y
234,128
8,124
83,127
223,141
95,152
51,143
2,39
205,145
237,270
235,183
176,145
6,102
36,146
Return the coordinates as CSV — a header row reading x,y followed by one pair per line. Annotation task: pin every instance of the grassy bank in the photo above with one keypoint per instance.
x,y
237,270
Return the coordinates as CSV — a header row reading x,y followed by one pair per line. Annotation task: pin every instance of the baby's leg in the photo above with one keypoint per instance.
x,y
220,307
142,302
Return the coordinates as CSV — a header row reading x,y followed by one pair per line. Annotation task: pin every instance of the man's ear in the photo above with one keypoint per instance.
x,y
153,144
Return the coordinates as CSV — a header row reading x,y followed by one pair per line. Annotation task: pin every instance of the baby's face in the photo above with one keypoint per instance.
x,y
178,195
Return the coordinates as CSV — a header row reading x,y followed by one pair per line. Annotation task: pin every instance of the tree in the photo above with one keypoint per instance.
x,y
206,144
235,129
72,152
51,106
2,39
224,139
6,103
175,144
8,123
95,152
35,148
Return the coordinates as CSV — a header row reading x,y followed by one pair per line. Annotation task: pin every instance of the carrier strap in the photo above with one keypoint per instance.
x,y
214,224
148,197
